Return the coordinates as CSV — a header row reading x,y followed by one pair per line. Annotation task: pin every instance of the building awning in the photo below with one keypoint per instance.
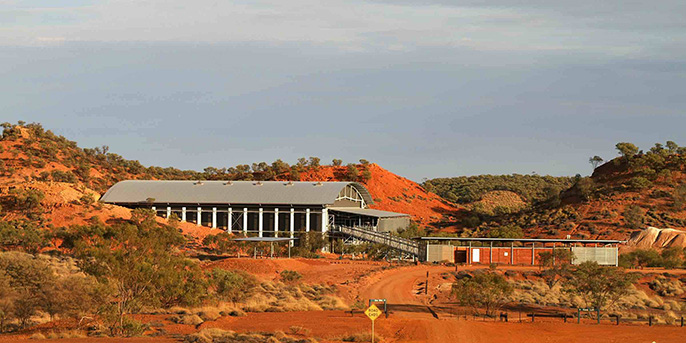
x,y
368,212
264,239
523,240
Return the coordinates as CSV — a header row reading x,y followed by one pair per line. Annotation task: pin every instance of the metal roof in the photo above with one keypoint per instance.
x,y
524,240
229,192
368,212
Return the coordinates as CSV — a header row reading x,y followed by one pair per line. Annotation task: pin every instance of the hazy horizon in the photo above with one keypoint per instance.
x,y
423,88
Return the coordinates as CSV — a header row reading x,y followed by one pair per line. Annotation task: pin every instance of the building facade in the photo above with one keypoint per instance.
x,y
259,208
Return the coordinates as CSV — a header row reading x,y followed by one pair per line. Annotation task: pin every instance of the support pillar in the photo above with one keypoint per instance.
x,y
229,221
469,256
533,253
183,214
214,217
325,220
512,254
490,253
276,222
292,224
245,221
199,219
168,212
307,220
260,221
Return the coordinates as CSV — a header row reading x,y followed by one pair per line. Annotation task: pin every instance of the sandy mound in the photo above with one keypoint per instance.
x,y
658,238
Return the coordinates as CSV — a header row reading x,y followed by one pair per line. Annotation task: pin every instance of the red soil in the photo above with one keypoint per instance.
x,y
392,193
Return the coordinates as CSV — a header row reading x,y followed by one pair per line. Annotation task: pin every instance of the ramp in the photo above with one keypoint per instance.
x,y
401,244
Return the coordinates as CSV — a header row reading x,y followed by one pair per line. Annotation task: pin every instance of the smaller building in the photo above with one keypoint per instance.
x,y
517,251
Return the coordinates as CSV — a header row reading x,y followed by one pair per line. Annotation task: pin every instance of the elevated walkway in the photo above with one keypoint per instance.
x,y
407,246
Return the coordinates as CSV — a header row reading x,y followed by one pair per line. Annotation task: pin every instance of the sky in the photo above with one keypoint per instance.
x,y
425,88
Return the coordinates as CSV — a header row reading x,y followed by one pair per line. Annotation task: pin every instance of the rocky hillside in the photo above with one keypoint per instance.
x,y
392,193
52,182
622,197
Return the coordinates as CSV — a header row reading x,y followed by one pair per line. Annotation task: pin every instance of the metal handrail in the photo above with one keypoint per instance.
x,y
398,243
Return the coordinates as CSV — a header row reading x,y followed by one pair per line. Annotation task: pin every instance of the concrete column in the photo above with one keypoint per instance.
x,y
229,221
512,254
245,220
533,253
183,214
490,253
260,221
292,222
168,212
214,217
307,220
276,222
325,220
199,219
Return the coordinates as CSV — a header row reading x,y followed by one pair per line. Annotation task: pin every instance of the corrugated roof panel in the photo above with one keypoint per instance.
x,y
368,212
224,192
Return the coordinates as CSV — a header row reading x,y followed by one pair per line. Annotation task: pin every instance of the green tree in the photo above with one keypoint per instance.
x,y
487,290
232,285
627,150
598,286
672,147
336,162
352,173
679,196
633,217
555,265
595,161
140,264
506,231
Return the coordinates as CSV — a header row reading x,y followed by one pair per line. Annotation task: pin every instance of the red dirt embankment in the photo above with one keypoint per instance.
x,y
392,193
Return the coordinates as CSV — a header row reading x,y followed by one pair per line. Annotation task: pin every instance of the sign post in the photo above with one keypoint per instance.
x,y
373,312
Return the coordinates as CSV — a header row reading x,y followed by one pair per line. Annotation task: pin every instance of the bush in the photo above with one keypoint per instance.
x,y
232,285
290,276
633,217
488,290
639,182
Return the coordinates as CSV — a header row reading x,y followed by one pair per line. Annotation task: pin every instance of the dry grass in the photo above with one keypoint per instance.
x,y
66,334
360,337
279,297
37,335
187,319
213,335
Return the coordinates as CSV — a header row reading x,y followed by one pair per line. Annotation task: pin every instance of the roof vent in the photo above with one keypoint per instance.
x,y
228,183
319,183
198,183
290,183
258,183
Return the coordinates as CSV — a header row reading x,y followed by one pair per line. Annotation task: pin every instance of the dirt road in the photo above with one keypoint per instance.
x,y
422,322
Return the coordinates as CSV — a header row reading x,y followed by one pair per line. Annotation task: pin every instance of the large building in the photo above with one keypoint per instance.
x,y
260,208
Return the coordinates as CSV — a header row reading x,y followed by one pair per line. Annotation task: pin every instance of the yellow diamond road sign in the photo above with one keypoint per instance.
x,y
373,312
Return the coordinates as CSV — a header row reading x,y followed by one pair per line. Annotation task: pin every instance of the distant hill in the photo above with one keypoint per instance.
x,y
623,196
467,189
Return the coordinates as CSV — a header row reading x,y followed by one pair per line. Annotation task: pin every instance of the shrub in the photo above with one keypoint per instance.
x,y
488,290
290,276
598,286
639,182
633,217
232,285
